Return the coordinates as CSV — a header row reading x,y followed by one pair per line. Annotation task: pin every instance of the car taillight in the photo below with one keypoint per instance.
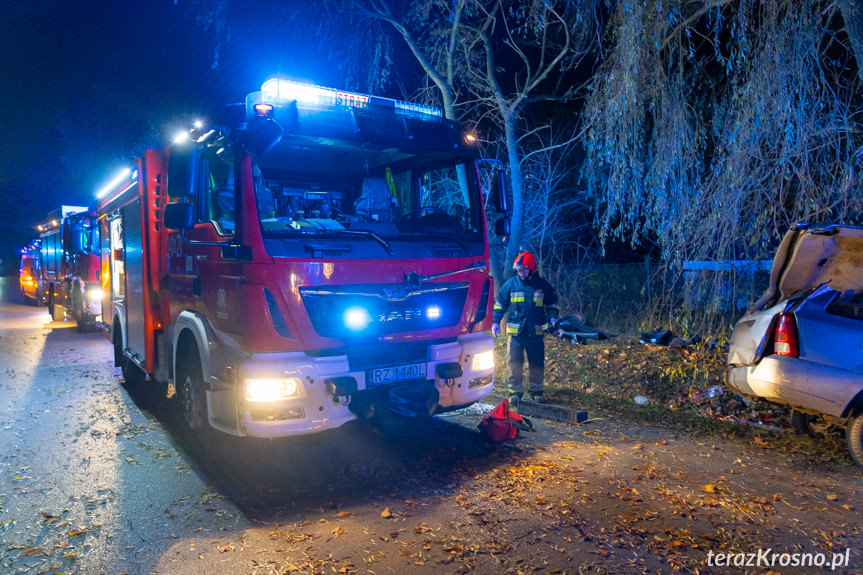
x,y
785,336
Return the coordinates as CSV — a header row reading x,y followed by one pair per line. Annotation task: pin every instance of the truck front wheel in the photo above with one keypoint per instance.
x,y
191,403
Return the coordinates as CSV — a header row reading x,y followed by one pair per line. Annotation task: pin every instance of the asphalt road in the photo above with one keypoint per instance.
x,y
94,481
89,482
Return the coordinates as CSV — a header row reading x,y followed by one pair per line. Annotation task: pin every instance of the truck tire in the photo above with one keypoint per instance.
x,y
77,304
854,437
190,401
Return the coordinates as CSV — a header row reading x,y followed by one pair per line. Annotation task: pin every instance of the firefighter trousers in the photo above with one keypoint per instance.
x,y
534,348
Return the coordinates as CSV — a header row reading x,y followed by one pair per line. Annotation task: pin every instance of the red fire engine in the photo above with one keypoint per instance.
x,y
311,256
67,273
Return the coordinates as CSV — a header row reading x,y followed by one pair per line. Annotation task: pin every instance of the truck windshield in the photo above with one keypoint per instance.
x,y
408,201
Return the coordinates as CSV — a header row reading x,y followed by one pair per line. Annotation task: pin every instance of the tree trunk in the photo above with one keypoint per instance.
x,y
513,246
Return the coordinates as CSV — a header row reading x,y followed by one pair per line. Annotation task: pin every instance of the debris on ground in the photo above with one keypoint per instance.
x,y
666,337
572,328
681,380
706,393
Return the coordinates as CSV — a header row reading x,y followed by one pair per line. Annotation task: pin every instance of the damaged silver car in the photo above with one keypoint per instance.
x,y
801,343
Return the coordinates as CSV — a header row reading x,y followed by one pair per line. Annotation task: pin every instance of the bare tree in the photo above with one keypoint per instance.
x,y
556,214
490,60
523,53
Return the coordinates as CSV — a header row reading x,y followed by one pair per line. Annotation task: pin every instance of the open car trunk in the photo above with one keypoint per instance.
x,y
810,256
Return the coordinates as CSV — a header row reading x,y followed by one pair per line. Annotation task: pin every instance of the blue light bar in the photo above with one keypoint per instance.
x,y
416,110
276,89
280,90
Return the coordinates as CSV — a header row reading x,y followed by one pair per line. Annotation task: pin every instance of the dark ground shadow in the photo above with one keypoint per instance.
x,y
361,462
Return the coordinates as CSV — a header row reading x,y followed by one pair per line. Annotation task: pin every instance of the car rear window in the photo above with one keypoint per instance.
x,y
848,304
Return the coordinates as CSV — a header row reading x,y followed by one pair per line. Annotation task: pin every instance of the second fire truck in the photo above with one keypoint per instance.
x,y
67,275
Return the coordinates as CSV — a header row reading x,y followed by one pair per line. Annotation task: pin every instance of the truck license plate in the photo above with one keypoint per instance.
x,y
384,375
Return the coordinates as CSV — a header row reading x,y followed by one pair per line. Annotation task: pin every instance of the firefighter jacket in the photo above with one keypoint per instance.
x,y
532,305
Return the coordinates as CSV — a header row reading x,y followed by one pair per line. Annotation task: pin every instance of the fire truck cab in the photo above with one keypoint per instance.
x,y
309,257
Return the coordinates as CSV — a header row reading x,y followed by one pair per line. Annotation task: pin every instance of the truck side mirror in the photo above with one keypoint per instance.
x,y
498,190
501,227
76,240
493,183
182,170
179,216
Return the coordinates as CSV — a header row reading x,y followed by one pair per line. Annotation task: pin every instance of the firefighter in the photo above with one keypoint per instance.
x,y
532,306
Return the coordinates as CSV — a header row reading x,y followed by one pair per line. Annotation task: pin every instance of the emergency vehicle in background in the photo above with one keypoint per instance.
x,y
28,274
309,257
68,271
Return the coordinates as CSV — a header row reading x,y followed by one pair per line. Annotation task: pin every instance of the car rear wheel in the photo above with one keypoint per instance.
x,y
854,437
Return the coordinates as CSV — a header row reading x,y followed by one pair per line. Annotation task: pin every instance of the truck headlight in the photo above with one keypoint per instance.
x,y
482,361
271,389
95,294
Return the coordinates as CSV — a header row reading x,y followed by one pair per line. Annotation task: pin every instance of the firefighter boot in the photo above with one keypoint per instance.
x,y
536,392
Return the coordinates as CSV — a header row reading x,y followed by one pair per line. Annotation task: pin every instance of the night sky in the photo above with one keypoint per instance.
x,y
81,83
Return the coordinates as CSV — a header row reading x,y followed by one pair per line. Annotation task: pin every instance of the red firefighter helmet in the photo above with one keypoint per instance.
x,y
525,260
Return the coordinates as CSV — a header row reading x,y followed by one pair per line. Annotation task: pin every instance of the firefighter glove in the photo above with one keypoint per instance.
x,y
495,329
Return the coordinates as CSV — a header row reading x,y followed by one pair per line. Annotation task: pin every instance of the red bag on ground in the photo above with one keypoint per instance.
x,y
500,423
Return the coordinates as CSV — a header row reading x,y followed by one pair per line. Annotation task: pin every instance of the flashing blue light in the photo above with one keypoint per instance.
x,y
276,89
433,312
356,318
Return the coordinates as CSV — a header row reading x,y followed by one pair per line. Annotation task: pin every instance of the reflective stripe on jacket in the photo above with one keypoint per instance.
x,y
531,303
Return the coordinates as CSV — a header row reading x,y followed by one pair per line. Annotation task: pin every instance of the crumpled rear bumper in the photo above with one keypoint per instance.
x,y
796,382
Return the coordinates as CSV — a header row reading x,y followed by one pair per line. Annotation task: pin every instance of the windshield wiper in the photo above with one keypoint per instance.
x,y
369,234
